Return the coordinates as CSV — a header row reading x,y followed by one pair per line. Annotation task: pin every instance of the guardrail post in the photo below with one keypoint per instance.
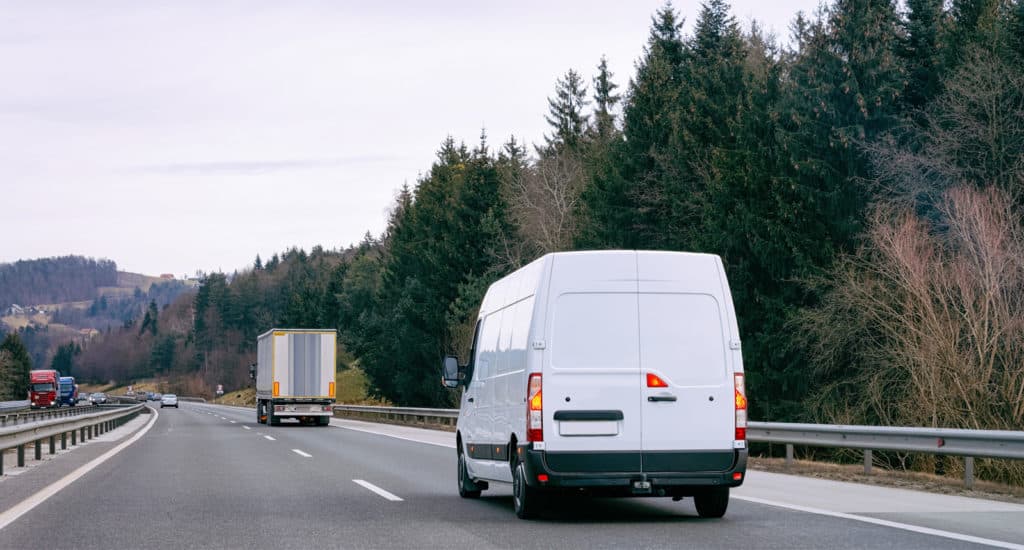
x,y
39,449
1,463
969,472
74,437
64,441
867,461
789,454
53,444
21,455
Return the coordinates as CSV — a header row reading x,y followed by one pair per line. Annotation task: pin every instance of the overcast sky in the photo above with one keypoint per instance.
x,y
179,136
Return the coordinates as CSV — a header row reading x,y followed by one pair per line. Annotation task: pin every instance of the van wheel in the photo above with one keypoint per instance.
x,y
272,419
526,500
467,487
712,503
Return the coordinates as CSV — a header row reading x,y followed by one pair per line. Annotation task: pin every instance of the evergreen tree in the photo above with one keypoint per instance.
x,y
843,91
64,359
258,264
15,368
1015,28
566,114
605,100
711,100
921,50
627,204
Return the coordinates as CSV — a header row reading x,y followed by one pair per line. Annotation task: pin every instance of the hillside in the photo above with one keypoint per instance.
x,y
71,299
54,280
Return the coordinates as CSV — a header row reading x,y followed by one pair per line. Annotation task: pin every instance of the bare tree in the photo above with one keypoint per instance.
x,y
925,324
543,199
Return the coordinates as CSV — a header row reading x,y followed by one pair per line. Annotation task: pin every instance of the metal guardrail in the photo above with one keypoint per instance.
x,y
88,425
405,414
969,444
7,406
23,416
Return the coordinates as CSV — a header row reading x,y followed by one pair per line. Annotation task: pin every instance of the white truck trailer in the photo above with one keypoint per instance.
x,y
294,374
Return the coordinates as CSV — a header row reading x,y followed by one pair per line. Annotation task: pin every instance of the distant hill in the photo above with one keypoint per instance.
x,y
53,301
54,280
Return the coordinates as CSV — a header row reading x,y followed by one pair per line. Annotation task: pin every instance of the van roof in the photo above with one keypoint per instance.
x,y
525,281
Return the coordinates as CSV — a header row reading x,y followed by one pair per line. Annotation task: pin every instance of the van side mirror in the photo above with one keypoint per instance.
x,y
450,372
252,371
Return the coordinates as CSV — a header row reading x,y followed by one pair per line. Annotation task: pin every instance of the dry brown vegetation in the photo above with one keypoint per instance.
x,y
925,327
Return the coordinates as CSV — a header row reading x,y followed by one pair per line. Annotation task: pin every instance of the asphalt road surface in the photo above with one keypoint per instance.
x,y
205,476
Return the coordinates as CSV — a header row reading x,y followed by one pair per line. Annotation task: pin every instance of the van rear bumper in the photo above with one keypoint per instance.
x,y
616,474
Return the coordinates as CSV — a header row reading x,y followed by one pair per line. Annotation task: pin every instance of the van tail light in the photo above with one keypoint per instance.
x,y
654,381
534,409
741,407
330,389
277,389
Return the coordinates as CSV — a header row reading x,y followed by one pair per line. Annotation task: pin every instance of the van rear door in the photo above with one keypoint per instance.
x,y
591,374
687,396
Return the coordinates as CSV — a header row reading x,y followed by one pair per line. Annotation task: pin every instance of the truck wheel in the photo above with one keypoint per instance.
x,y
272,419
259,412
526,500
467,487
323,421
712,503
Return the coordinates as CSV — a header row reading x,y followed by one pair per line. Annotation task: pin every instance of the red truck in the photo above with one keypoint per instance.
x,y
43,389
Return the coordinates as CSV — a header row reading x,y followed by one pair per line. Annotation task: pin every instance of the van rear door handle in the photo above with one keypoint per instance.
x,y
654,398
470,400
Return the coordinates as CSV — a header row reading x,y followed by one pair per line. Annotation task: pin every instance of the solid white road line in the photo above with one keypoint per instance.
x,y
40,497
269,438
300,453
246,427
378,490
886,523
395,436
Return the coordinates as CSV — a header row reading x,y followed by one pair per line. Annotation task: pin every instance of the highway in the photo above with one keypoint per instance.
x,y
208,476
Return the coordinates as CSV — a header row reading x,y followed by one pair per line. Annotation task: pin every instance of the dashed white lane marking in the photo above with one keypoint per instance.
x,y
246,428
300,453
267,437
378,490
31,502
894,524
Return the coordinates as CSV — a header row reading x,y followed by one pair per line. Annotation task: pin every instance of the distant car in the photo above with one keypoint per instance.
x,y
149,396
157,397
83,397
169,400
140,397
98,398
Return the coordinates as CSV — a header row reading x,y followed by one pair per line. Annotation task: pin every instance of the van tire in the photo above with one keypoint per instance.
x,y
323,421
526,500
272,419
467,487
712,503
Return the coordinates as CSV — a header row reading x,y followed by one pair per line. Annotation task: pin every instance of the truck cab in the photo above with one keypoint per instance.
x,y
43,389
68,391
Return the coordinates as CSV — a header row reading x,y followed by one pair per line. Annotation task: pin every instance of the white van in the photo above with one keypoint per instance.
x,y
611,373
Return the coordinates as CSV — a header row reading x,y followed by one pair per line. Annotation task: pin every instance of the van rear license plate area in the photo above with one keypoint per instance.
x,y
585,428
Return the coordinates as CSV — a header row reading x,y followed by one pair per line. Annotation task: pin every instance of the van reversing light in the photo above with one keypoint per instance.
x,y
653,381
534,409
741,407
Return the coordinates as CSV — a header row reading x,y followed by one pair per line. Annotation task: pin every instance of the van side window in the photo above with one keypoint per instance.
x,y
472,353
